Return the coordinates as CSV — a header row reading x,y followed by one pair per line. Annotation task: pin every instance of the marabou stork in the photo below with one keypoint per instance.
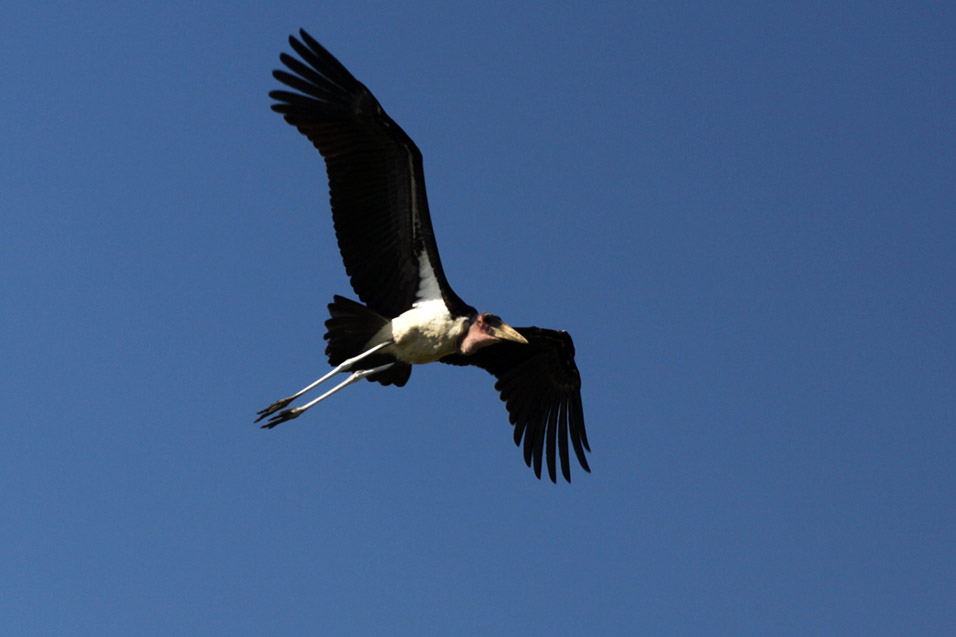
x,y
410,314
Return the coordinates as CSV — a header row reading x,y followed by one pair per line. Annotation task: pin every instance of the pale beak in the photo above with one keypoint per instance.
x,y
507,333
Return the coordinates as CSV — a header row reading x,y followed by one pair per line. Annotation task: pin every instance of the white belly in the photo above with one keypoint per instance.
x,y
426,333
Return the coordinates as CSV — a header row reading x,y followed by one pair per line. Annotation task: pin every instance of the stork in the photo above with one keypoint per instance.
x,y
409,314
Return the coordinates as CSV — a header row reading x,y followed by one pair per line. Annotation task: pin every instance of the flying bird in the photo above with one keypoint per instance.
x,y
409,314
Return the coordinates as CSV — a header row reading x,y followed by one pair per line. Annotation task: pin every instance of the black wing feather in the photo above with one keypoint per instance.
x,y
541,388
376,179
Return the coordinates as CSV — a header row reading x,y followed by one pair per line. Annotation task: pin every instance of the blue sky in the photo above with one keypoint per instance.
x,y
743,213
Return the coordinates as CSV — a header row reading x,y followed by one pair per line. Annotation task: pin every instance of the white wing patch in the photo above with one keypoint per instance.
x,y
428,288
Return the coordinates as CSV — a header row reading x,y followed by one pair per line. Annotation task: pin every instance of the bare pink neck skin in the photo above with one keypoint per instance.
x,y
477,337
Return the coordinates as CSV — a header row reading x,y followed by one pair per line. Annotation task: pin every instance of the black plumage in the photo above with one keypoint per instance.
x,y
541,388
376,179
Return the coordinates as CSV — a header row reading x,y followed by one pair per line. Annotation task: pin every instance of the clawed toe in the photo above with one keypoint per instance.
x,y
282,416
273,408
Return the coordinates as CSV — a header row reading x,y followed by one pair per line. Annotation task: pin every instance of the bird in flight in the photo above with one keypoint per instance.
x,y
409,314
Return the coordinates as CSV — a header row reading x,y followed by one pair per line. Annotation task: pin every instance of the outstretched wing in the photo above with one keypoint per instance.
x,y
376,182
541,388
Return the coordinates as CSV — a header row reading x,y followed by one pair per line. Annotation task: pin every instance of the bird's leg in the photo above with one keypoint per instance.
x,y
345,366
295,412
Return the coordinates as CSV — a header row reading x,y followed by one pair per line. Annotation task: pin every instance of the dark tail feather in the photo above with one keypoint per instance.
x,y
350,328
348,331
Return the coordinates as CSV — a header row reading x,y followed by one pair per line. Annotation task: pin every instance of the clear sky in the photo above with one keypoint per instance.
x,y
744,213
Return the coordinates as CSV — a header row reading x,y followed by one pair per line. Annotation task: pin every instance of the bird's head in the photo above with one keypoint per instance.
x,y
488,329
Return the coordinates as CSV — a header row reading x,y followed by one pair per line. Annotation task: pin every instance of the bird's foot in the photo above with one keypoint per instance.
x,y
282,416
273,408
